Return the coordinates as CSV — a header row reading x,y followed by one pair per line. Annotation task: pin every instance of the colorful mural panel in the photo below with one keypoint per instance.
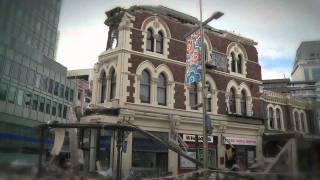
x,y
193,59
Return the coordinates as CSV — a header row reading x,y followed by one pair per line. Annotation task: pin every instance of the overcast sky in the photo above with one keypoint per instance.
x,y
279,26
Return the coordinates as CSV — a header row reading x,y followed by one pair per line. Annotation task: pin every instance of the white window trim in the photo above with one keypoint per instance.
x,y
156,24
300,111
107,69
238,89
162,68
237,49
154,74
281,117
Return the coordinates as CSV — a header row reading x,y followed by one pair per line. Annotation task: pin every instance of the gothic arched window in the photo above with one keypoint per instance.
x,y
278,117
159,43
243,103
303,128
296,120
233,62
150,40
113,84
162,90
103,86
239,64
145,87
232,100
271,117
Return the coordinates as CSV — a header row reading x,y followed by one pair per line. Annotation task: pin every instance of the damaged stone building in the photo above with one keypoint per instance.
x,y
142,72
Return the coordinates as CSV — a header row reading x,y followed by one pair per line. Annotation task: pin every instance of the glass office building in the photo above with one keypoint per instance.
x,y
33,86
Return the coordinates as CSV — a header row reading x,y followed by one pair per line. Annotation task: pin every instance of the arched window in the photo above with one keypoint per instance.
x,y
296,120
113,84
103,87
278,117
150,40
193,96
232,100
159,43
209,99
243,103
303,128
233,62
145,87
271,117
239,64
162,90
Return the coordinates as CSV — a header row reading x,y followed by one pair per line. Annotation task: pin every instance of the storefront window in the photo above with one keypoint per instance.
x,y
195,149
147,153
241,152
144,159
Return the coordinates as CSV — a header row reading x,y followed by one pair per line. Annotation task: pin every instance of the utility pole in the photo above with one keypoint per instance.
x,y
204,98
204,93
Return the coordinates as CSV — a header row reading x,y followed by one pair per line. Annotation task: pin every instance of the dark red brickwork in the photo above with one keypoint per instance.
x,y
136,40
130,89
178,72
177,51
222,103
253,71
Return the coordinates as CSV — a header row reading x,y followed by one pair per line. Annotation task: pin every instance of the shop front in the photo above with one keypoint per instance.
x,y
239,151
194,146
148,156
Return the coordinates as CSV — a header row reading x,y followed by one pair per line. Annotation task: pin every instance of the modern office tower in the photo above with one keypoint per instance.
x,y
33,86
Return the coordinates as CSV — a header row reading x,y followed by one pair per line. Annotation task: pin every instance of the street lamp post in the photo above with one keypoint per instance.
x,y
204,95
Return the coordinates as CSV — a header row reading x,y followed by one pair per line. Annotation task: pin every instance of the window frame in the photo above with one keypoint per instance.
x,y
232,101
162,87
159,42
243,103
145,85
150,40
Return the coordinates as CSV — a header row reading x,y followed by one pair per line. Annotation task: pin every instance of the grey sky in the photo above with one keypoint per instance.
x,y
277,25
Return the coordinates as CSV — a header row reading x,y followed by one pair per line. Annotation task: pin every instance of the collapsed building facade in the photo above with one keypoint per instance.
x,y
142,72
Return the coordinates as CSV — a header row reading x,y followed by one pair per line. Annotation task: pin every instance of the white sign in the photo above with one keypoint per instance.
x,y
192,138
240,141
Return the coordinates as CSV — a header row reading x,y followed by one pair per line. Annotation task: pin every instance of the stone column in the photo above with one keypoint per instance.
x,y
221,146
238,104
93,151
173,162
259,151
154,91
127,155
108,88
